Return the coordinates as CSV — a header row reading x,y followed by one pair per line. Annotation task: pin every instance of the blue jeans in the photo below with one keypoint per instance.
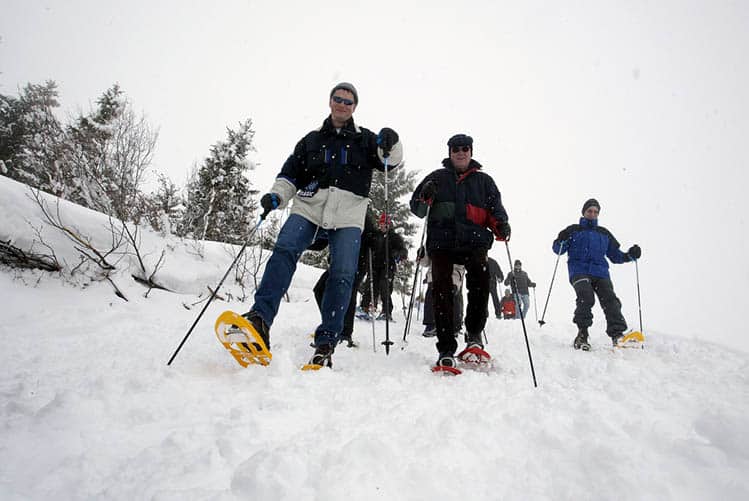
x,y
295,236
523,302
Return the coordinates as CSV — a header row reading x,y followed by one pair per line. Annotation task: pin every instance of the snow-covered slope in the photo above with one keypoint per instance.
x,y
89,408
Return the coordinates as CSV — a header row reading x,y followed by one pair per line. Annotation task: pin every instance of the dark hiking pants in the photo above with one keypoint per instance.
x,y
586,288
477,284
495,298
457,307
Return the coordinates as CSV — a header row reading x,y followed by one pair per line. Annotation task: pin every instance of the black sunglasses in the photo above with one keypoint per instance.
x,y
342,100
464,149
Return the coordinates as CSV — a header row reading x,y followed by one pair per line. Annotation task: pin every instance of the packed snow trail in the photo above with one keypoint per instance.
x,y
89,401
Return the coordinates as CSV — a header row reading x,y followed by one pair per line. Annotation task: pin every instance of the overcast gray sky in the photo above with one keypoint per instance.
x,y
642,104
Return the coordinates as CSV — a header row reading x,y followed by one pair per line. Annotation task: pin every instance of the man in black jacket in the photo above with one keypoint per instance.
x,y
328,176
384,273
466,213
495,274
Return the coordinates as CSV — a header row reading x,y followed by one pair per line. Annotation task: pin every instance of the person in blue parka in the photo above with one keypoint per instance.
x,y
587,246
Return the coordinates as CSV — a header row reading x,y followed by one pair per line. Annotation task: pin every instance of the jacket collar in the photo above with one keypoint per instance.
x,y
473,166
587,223
348,129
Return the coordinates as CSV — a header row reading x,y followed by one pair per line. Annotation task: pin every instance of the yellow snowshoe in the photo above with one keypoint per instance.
x,y
242,341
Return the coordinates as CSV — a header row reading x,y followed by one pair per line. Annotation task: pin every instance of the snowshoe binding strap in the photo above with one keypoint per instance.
x,y
474,355
241,340
321,358
633,339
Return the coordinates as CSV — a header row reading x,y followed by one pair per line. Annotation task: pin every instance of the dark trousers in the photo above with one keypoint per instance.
x,y
586,288
495,298
366,293
477,284
457,307
348,320
384,290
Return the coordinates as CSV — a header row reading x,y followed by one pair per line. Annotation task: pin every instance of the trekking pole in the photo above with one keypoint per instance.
x,y
639,306
535,304
541,322
371,301
420,296
522,319
403,301
386,296
416,276
215,290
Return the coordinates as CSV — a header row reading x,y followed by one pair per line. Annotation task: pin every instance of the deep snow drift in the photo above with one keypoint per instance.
x,y
89,408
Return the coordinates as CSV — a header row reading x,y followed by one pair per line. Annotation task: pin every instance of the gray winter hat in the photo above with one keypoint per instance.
x,y
346,86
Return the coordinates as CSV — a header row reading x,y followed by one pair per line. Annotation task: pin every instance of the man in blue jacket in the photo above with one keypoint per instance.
x,y
587,246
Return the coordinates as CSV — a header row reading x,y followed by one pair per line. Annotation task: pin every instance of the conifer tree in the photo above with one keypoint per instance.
x,y
108,152
401,184
31,138
219,204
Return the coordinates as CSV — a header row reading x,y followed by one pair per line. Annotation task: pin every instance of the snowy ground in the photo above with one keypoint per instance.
x,y
89,408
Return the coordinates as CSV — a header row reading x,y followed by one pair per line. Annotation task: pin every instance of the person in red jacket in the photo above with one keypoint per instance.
x,y
508,306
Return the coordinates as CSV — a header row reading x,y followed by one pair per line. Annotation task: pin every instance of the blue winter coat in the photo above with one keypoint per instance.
x,y
588,247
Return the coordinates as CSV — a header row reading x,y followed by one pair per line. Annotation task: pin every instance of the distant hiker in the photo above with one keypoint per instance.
x,y
508,306
466,208
328,176
384,273
430,329
368,242
523,298
587,246
495,274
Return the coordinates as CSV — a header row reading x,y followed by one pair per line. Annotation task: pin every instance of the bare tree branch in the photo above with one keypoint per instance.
x,y
17,258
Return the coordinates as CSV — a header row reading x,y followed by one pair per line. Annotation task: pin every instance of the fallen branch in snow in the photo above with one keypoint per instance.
x,y
18,258
189,306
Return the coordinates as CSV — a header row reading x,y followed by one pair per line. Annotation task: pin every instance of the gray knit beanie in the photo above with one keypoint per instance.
x,y
346,86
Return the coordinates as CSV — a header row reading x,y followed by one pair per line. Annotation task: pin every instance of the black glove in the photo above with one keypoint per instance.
x,y
502,230
386,139
269,202
420,253
429,190
634,252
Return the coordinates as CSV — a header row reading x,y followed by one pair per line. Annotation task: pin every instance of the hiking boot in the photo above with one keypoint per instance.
x,y
260,327
429,331
349,341
615,339
382,316
581,341
474,340
323,356
446,360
